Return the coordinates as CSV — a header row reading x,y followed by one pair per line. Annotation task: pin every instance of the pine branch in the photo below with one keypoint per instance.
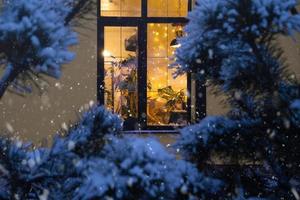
x,y
77,9
10,74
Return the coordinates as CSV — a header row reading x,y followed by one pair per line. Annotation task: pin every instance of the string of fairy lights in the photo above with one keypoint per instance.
x,y
159,57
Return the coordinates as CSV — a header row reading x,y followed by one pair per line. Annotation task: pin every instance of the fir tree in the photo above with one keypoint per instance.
x,y
132,168
231,44
93,161
27,172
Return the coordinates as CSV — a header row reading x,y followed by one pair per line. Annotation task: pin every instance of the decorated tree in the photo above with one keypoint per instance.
x,y
231,45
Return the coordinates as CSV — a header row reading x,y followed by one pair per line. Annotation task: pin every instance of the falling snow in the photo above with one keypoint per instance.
x,y
79,150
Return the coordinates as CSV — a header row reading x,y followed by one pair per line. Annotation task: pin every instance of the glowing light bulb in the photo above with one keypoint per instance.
x,y
106,53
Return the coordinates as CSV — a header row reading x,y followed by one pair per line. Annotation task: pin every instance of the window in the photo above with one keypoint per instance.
x,y
121,8
137,40
120,69
167,8
166,96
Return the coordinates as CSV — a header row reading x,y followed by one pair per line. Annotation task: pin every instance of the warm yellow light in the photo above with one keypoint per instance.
x,y
176,46
106,53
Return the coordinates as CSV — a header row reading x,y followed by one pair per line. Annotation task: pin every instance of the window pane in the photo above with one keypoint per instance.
x,y
158,38
120,58
166,96
167,8
119,8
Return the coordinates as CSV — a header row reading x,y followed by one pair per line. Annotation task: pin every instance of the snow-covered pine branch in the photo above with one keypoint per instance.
x,y
35,36
231,45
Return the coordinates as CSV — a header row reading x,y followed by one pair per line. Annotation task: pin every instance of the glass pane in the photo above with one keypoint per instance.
x,y
121,8
158,38
120,58
167,8
166,96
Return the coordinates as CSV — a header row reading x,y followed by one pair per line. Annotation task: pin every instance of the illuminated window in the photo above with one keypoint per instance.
x,y
120,69
124,8
167,97
167,8
137,40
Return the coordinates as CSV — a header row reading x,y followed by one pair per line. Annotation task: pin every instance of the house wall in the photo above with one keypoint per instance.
x,y
35,116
